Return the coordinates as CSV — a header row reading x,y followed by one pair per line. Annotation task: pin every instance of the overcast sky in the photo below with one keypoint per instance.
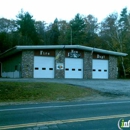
x,y
48,10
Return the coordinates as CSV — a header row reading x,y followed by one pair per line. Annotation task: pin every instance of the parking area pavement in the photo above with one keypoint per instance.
x,y
117,86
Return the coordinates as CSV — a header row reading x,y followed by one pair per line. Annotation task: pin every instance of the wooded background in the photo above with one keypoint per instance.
x,y
113,33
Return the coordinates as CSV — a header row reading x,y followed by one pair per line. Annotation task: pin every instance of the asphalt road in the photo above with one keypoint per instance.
x,y
64,116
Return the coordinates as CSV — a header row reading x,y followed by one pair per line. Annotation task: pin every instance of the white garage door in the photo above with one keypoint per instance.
x,y
100,69
73,68
43,67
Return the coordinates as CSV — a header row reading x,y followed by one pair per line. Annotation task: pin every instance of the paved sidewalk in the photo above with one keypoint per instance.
x,y
112,86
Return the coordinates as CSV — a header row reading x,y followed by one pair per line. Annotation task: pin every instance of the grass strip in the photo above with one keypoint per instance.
x,y
23,91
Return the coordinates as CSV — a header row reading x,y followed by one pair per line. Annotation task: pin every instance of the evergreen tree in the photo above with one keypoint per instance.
x,y
77,27
54,33
26,27
40,29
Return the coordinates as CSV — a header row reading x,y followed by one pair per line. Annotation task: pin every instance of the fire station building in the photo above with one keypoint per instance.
x,y
59,61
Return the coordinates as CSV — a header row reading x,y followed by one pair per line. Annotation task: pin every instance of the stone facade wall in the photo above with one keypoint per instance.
x,y
27,67
27,64
87,65
60,73
112,65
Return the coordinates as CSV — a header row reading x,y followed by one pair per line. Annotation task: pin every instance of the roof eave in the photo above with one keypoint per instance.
x,y
20,48
73,47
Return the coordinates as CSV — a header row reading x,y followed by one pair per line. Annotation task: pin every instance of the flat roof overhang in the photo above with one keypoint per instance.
x,y
39,47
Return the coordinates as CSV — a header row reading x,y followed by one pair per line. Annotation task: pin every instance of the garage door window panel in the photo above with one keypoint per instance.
x,y
45,67
100,69
73,68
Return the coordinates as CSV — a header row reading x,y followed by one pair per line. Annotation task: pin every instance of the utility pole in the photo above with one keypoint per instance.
x,y
71,35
